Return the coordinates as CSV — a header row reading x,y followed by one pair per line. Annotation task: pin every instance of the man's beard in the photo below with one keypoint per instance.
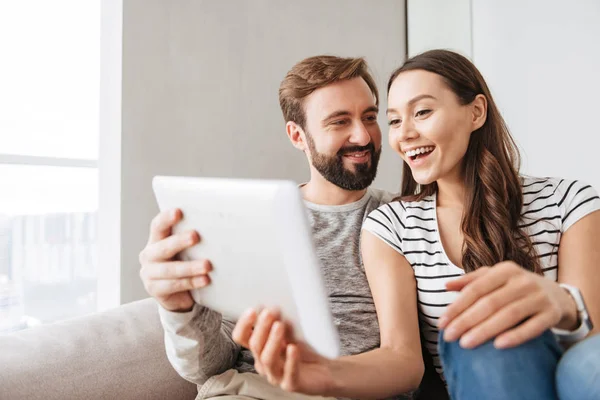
x,y
332,167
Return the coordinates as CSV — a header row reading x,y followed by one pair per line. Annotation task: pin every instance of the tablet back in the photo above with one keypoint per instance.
x,y
256,235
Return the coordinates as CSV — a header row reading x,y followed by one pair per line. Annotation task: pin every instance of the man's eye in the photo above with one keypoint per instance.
x,y
421,113
371,118
339,122
393,122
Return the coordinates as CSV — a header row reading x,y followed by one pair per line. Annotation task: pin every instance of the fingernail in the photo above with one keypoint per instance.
x,y
442,322
202,280
450,335
501,343
466,341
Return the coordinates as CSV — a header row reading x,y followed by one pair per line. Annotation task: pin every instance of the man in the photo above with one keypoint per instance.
x,y
330,106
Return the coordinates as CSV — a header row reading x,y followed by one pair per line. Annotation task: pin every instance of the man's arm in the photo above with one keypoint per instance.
x,y
198,343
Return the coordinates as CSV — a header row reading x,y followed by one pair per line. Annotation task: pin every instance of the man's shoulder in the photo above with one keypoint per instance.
x,y
380,196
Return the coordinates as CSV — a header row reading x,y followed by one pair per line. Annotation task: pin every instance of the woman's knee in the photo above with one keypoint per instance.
x,y
526,370
578,372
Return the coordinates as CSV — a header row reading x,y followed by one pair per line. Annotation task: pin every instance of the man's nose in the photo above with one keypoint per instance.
x,y
360,135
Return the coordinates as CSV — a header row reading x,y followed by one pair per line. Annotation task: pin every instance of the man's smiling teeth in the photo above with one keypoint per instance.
x,y
420,150
358,155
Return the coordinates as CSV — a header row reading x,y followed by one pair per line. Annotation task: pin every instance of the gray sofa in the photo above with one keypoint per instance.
x,y
117,354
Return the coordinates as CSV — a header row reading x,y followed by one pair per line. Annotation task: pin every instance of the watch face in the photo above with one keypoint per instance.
x,y
589,323
587,319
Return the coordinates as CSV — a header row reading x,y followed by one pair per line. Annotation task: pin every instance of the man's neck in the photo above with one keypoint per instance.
x,y
320,191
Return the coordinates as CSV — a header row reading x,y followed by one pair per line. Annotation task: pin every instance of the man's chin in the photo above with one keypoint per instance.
x,y
353,166
355,181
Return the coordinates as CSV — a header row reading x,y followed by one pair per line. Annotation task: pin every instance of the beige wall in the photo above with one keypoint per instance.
x,y
199,93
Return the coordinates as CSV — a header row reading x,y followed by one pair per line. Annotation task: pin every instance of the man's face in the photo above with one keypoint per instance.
x,y
342,134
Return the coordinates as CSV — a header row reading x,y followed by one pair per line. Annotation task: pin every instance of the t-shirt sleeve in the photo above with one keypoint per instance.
x,y
385,223
575,200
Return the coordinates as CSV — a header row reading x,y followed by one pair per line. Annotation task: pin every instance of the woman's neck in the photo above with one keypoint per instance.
x,y
451,192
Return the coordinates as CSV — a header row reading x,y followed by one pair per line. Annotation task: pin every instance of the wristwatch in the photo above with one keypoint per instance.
x,y
585,325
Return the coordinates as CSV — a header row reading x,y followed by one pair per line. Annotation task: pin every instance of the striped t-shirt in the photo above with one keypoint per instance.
x,y
550,207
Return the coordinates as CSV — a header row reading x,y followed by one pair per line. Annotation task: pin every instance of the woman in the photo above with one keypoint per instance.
x,y
499,260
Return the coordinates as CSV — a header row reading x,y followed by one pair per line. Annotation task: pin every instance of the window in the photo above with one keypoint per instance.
x,y
49,100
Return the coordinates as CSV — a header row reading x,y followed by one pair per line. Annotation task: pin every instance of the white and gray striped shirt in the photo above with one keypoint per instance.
x,y
550,207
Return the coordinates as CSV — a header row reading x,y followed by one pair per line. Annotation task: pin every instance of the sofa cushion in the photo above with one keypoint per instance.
x,y
117,354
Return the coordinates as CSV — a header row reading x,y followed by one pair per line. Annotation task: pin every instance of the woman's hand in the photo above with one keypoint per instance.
x,y
285,362
495,301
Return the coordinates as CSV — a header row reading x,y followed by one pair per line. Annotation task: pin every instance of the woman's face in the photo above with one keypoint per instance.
x,y
429,127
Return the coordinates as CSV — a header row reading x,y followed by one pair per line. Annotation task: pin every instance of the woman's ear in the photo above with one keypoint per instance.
x,y
296,135
479,108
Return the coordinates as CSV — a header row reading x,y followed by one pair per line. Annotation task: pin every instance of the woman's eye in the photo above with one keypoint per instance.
x,y
421,113
393,122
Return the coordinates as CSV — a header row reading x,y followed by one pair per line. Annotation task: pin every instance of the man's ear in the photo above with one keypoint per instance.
x,y
479,107
296,135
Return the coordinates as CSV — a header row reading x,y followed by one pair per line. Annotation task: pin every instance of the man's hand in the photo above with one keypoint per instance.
x,y
165,279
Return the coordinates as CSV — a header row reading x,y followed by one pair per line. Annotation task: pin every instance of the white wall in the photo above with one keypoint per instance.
x,y
199,95
439,24
541,60
109,162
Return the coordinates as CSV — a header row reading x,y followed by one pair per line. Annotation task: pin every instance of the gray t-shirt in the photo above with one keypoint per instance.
x,y
336,232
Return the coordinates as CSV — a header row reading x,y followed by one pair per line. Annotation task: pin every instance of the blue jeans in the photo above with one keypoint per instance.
x,y
537,369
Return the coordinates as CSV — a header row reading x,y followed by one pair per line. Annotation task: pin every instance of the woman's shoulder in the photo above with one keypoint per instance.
x,y
535,184
538,186
398,209
570,199
542,188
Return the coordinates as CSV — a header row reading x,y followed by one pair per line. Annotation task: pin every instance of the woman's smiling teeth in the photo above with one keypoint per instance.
x,y
418,151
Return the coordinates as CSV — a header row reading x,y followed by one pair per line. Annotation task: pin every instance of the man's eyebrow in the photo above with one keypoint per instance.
x,y
341,113
413,100
371,109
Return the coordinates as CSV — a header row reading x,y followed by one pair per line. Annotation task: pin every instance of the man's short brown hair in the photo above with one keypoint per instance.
x,y
314,73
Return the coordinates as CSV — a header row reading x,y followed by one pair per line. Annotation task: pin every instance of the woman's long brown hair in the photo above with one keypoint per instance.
x,y
494,197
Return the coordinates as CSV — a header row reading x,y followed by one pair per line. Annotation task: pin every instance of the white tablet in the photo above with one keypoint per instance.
x,y
257,236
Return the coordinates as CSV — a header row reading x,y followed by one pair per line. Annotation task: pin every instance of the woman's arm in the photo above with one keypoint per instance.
x,y
579,265
397,366
394,368
494,301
